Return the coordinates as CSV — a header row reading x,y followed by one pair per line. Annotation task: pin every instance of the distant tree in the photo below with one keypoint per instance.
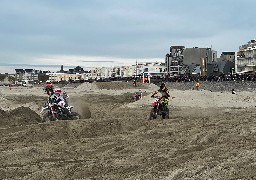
x,y
11,79
78,69
2,76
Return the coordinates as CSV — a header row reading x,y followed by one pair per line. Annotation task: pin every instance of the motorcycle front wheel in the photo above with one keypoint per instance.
x,y
47,117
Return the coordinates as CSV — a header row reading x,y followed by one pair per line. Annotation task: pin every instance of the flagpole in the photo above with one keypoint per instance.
x,y
136,69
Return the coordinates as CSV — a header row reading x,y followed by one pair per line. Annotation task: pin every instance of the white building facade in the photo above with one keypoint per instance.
x,y
245,59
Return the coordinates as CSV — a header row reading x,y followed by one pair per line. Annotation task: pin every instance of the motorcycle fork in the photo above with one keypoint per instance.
x,y
156,108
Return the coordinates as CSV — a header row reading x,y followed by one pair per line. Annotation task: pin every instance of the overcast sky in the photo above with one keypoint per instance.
x,y
77,32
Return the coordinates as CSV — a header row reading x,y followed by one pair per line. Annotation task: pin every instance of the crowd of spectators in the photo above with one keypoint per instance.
x,y
237,82
220,78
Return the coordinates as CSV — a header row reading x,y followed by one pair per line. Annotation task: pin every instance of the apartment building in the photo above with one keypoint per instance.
x,y
155,69
147,68
57,77
183,60
245,60
26,75
228,56
174,60
152,69
19,73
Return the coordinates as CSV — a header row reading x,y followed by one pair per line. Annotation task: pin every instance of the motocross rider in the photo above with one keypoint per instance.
x,y
57,98
165,94
49,88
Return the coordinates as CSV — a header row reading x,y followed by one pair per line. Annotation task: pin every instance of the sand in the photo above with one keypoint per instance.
x,y
210,135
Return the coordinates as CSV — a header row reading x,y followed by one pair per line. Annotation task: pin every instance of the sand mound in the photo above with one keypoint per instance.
x,y
215,86
87,87
200,140
115,85
19,116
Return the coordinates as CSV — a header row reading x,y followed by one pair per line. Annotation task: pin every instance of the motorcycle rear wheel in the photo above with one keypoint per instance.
x,y
165,113
74,116
153,114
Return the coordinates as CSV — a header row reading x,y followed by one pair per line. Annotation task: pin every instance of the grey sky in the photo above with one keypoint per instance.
x,y
72,32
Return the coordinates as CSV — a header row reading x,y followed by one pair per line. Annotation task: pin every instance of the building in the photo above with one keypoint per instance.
x,y
26,75
155,69
183,60
174,60
219,68
227,56
78,74
19,73
195,54
152,69
59,77
245,60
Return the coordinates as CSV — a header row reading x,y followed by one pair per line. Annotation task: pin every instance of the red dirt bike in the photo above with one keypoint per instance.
x,y
136,96
159,108
53,112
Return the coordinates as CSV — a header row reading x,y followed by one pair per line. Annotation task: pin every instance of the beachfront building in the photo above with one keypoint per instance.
x,y
155,69
138,70
151,68
228,56
188,61
245,61
174,60
105,72
19,73
224,67
123,71
59,77
94,73
128,71
108,72
26,74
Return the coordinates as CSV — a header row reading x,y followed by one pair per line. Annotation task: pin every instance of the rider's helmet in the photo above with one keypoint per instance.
x,y
163,87
57,92
48,82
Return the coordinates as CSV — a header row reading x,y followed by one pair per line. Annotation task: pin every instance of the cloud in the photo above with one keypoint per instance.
x,y
35,31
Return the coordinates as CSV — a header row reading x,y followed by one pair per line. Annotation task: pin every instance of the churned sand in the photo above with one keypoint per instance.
x,y
210,134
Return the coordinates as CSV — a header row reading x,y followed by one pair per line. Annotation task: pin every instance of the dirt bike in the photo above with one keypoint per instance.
x,y
159,108
136,96
53,112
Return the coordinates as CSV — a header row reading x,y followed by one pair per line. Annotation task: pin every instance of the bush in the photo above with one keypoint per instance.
x,y
2,76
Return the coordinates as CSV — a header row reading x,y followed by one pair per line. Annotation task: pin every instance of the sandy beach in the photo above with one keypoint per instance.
x,y
210,134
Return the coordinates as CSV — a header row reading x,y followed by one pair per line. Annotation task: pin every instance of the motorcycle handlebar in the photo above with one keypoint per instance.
x,y
157,97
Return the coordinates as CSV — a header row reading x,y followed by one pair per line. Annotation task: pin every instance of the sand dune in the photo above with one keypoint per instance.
x,y
210,135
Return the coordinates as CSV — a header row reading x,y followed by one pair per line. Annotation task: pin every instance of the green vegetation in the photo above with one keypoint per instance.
x,y
11,79
2,76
